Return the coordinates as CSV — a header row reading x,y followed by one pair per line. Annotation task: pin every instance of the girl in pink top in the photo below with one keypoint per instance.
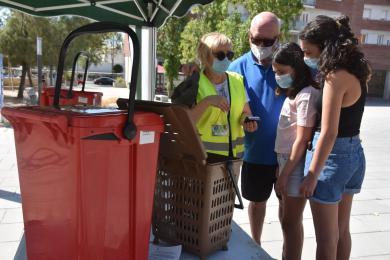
x,y
294,132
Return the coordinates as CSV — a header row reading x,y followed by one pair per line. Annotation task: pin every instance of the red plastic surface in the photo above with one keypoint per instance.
x,y
78,97
84,198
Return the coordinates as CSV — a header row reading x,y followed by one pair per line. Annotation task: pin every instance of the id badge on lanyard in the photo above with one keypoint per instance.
x,y
220,128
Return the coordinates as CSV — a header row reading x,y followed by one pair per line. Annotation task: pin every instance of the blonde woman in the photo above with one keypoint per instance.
x,y
221,111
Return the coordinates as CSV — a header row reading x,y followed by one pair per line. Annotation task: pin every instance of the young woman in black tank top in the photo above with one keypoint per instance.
x,y
335,166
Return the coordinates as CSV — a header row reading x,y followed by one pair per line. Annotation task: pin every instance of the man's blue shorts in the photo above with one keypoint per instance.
x,y
343,171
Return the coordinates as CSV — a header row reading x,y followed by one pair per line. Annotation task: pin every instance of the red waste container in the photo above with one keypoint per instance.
x,y
87,174
78,97
73,97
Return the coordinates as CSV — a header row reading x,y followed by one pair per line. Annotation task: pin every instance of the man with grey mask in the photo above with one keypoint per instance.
x,y
258,174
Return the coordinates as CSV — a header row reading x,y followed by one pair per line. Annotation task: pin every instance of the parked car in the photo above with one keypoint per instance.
x,y
104,81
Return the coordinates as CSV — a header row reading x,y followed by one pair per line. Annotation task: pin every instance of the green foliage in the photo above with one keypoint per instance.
x,y
217,16
18,40
120,83
286,10
117,68
113,44
205,19
237,31
168,47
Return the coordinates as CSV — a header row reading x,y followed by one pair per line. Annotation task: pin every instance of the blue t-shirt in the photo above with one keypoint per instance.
x,y
260,85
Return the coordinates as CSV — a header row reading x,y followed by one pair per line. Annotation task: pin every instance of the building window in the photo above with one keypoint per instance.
x,y
370,38
305,18
382,15
380,39
386,15
367,13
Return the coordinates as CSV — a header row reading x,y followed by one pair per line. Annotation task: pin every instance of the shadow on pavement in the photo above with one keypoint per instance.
x,y
12,196
377,102
21,252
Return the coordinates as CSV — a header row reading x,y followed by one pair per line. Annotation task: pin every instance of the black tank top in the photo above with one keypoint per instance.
x,y
350,117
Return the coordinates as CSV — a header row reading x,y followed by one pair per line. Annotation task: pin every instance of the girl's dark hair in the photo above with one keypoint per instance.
x,y
338,45
291,54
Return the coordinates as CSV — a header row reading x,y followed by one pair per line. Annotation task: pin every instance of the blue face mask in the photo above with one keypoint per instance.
x,y
311,62
221,66
284,81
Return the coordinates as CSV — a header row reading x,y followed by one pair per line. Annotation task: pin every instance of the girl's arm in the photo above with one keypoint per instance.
x,y
298,149
306,116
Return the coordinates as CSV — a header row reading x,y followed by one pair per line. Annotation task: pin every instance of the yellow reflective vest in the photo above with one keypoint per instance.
x,y
213,116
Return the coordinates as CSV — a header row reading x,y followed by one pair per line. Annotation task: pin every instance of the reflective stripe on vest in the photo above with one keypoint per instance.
x,y
213,115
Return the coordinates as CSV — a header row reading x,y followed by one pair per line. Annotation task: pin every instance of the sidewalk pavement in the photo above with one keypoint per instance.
x,y
370,220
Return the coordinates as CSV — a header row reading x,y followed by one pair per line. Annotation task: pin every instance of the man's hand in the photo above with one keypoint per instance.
x,y
250,126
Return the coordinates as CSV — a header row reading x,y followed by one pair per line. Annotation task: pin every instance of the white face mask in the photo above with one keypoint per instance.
x,y
262,53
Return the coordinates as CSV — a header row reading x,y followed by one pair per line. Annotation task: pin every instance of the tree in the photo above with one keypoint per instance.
x,y
114,43
168,47
54,33
117,68
286,10
18,41
204,19
217,17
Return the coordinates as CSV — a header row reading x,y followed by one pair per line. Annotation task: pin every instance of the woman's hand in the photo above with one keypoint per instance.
x,y
218,101
308,185
281,185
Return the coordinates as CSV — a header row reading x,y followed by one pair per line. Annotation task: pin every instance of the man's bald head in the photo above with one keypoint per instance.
x,y
265,25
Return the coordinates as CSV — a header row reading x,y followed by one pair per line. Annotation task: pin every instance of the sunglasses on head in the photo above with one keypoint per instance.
x,y
264,42
221,55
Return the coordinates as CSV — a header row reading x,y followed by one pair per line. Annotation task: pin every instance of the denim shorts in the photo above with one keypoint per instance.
x,y
296,176
343,171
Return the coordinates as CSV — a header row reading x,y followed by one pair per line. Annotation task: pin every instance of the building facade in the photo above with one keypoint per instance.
x,y
370,21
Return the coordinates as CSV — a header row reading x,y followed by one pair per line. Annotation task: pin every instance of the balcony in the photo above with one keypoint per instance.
x,y
309,2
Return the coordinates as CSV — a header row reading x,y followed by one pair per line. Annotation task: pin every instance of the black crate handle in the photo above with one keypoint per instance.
x,y
86,54
129,130
229,167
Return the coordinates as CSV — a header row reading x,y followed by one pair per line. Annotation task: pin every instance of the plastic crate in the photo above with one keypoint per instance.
x,y
194,194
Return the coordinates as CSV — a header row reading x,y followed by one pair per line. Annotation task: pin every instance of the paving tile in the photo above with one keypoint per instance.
x,y
11,232
379,257
370,244
9,203
7,164
370,223
11,181
376,183
10,190
9,173
274,249
2,214
8,249
370,207
13,216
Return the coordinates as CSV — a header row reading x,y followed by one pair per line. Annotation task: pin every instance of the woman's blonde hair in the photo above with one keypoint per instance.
x,y
209,43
